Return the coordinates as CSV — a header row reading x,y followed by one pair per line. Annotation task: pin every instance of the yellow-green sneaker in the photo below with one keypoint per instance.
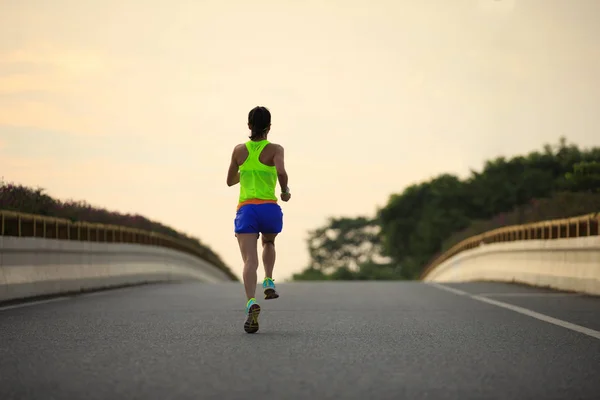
x,y
252,312
269,289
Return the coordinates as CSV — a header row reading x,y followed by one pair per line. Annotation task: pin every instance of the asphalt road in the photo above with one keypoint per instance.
x,y
337,340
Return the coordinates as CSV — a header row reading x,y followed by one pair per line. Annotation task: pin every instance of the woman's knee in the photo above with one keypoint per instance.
x,y
251,263
268,239
268,244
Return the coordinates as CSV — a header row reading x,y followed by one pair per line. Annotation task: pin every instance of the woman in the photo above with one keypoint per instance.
x,y
257,165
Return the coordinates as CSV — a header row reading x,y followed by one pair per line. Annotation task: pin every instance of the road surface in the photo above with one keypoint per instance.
x,y
327,340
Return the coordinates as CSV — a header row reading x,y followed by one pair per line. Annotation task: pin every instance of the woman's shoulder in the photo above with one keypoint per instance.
x,y
275,145
240,147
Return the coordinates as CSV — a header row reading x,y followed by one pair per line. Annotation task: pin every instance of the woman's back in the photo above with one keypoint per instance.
x,y
258,174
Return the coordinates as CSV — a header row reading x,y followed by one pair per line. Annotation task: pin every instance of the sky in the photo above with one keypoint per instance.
x,y
135,106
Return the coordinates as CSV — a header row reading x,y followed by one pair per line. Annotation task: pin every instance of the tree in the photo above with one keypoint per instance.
x,y
347,249
585,177
426,217
415,223
343,242
310,274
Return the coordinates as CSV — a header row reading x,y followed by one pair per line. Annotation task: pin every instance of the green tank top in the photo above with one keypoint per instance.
x,y
257,180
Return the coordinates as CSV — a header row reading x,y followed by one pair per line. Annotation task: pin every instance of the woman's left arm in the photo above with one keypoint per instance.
x,y
233,175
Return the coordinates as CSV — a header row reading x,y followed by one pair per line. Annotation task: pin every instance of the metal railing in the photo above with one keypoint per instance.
x,y
581,226
30,225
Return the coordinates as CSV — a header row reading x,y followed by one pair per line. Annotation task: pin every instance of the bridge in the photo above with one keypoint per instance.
x,y
465,331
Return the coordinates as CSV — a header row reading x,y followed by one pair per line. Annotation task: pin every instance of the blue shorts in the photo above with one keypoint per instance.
x,y
259,218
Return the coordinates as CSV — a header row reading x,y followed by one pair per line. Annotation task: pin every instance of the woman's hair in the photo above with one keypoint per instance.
x,y
259,120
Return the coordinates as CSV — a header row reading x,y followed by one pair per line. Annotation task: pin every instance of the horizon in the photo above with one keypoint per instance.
x,y
140,114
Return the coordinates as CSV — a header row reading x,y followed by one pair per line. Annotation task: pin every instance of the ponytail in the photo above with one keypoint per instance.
x,y
259,120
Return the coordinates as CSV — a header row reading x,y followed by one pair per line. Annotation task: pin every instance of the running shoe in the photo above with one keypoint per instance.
x,y
252,312
269,289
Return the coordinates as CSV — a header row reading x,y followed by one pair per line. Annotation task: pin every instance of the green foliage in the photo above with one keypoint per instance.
x,y
365,272
585,177
378,272
429,217
34,201
310,274
414,224
343,243
416,228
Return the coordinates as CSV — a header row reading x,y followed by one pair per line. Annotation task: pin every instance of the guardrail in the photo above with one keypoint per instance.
x,y
575,227
31,225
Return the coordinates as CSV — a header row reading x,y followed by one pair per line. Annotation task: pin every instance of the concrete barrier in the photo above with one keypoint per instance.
x,y
570,264
31,267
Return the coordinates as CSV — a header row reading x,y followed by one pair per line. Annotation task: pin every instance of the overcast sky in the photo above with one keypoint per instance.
x,y
136,105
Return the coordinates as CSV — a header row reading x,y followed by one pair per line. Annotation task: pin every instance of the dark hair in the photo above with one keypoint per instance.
x,y
259,119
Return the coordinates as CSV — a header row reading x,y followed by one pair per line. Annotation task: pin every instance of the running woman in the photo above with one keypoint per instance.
x,y
257,165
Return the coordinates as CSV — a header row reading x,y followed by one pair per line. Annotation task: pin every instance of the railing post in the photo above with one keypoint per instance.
x,y
560,226
19,225
589,226
559,230
2,232
544,236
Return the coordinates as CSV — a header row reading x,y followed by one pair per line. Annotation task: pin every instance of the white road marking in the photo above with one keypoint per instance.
x,y
448,288
521,310
530,294
33,303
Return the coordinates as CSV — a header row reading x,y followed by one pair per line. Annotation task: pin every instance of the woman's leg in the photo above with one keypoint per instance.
x,y
271,224
246,231
268,254
248,243
247,236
